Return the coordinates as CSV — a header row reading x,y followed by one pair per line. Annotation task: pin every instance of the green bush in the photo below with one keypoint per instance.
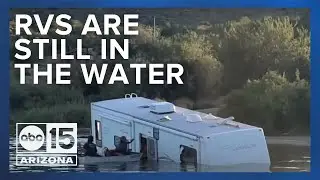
x,y
202,70
274,103
78,113
250,48
26,96
217,59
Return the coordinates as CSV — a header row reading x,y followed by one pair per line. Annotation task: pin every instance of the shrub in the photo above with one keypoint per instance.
x,y
26,96
273,103
77,113
250,48
216,58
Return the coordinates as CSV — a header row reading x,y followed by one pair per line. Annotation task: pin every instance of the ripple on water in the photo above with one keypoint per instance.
x,y
284,159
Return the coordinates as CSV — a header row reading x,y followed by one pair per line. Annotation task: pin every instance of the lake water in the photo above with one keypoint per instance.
x,y
284,158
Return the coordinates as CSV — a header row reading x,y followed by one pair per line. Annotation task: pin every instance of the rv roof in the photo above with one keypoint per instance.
x,y
137,107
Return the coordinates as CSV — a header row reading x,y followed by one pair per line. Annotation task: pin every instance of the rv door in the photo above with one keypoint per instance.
x,y
152,149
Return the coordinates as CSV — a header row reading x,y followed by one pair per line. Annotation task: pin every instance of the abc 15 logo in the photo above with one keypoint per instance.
x,y
59,138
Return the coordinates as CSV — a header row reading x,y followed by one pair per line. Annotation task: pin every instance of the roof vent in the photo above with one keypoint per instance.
x,y
144,106
193,118
229,121
164,119
162,108
210,116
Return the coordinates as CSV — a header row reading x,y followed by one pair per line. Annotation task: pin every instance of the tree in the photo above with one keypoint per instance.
x,y
250,48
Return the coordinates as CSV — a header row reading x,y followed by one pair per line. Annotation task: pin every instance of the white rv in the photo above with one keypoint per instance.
x,y
167,129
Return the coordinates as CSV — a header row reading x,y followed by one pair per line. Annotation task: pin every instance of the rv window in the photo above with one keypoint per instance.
x,y
116,140
188,154
98,133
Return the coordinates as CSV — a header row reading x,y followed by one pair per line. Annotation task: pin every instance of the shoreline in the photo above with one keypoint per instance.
x,y
271,140
289,140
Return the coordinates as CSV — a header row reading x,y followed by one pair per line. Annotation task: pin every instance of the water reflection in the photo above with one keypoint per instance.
x,y
288,158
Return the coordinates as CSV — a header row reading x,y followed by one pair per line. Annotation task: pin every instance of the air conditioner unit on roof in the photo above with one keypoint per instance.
x,y
193,118
162,108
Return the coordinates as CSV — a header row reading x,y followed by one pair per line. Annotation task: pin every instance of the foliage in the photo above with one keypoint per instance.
x,y
218,60
251,48
272,102
78,113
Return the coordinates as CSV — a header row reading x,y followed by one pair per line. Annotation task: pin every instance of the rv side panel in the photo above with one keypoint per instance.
x,y
113,130
169,142
108,129
174,144
238,147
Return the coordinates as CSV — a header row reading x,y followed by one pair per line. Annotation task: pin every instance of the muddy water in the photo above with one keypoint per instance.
x,y
284,158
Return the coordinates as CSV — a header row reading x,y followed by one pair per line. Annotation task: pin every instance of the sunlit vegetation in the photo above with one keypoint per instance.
x,y
259,65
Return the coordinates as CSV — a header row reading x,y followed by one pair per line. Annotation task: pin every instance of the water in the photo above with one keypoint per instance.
x,y
284,158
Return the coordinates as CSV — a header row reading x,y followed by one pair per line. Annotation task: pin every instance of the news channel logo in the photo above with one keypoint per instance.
x,y
46,144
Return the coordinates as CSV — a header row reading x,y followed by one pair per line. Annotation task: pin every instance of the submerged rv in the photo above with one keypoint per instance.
x,y
176,133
